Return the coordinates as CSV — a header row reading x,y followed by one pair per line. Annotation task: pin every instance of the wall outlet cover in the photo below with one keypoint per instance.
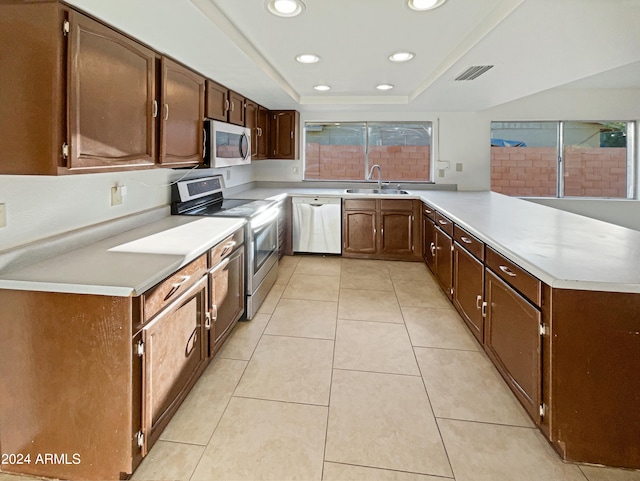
x,y
440,172
116,195
3,215
458,166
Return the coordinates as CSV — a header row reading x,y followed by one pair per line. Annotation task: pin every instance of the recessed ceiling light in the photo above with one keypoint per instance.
x,y
401,56
307,58
384,87
322,88
285,8
422,5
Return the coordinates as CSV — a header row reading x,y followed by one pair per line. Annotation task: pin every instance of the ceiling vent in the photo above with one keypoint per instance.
x,y
473,73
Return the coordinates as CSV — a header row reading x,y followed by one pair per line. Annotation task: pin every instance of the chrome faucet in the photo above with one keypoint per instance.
x,y
379,175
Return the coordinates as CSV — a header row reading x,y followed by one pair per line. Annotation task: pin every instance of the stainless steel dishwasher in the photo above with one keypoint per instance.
x,y
317,224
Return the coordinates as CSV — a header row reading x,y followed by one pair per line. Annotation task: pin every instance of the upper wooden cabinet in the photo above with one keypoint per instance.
x,y
111,95
263,134
284,134
224,104
182,115
85,98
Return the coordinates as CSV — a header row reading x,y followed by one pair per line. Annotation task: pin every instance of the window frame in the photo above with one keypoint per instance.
x,y
631,125
367,162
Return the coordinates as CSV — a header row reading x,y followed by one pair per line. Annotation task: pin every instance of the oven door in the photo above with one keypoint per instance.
x,y
262,248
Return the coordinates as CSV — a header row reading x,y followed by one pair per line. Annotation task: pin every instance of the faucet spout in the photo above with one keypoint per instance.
x,y
370,176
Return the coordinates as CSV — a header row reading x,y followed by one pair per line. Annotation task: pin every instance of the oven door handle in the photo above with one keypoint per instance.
x,y
263,220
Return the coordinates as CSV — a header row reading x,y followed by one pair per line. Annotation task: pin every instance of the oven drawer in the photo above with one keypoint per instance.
x,y
156,298
226,247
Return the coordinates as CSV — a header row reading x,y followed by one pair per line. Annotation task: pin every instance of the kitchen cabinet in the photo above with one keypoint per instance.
x,y
87,98
236,108
82,98
429,236
223,104
174,355
381,228
217,104
251,122
468,280
182,115
284,134
226,289
360,227
444,253
513,341
263,133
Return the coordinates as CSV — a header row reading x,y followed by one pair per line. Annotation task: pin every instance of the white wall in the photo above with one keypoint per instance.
x,y
42,206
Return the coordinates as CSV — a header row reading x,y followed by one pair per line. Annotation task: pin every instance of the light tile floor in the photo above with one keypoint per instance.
x,y
355,370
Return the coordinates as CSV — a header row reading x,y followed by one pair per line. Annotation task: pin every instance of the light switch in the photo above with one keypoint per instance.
x,y
116,195
458,166
3,215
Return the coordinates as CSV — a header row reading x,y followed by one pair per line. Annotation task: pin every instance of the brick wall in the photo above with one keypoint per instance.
x,y
531,171
345,162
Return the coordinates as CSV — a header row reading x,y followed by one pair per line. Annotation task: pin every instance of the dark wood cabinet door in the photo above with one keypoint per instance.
x,y
429,242
182,115
513,341
360,232
217,104
226,282
263,134
444,261
174,356
284,134
236,108
396,236
111,98
251,122
468,289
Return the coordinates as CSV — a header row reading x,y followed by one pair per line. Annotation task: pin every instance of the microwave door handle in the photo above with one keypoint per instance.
x,y
244,151
204,143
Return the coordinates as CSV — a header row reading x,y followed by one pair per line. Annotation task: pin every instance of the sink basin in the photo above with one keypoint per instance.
x,y
377,191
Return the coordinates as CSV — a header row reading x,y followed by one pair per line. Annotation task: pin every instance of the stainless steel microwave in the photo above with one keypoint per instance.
x,y
226,144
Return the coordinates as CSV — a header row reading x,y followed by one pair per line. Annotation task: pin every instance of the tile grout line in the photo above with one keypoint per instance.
x,y
391,469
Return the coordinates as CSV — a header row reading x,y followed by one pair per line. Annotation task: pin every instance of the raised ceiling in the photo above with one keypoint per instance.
x,y
534,45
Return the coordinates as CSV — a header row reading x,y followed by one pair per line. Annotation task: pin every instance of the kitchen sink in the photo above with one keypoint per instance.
x,y
377,191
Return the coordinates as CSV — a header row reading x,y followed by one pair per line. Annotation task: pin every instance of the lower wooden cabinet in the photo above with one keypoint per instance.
x,y
381,229
513,341
226,281
444,261
468,290
174,352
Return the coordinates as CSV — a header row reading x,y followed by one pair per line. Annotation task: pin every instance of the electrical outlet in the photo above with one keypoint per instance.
x,y
459,167
296,170
116,195
3,215
228,174
440,172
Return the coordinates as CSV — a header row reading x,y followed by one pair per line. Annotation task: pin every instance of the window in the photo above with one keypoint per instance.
x,y
558,159
347,150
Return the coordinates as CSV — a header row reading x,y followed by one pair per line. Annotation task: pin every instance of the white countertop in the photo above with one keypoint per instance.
x,y
562,249
126,264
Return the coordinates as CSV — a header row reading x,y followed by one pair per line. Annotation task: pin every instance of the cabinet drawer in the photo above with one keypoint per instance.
x,y
429,211
359,204
444,223
524,282
396,204
159,296
224,248
469,242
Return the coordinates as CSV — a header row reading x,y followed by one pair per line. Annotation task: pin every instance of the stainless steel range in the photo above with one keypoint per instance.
x,y
203,197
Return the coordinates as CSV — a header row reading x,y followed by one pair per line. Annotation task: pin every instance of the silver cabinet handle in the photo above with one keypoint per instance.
x,y
484,309
442,222
432,248
226,105
292,134
154,109
166,111
507,271
228,248
233,105
479,302
466,240
427,211
176,286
